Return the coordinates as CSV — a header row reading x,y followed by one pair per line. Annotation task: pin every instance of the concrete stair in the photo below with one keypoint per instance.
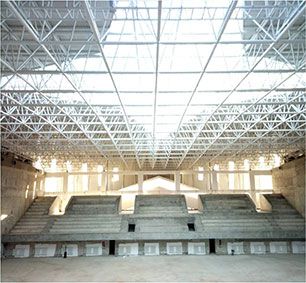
x,y
86,224
93,205
237,203
284,215
234,214
89,214
161,205
36,217
280,204
162,225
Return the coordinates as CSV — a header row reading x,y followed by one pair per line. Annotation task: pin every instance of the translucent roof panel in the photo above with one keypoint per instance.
x,y
153,84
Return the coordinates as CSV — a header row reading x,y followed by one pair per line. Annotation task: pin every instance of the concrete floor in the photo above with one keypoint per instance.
x,y
247,268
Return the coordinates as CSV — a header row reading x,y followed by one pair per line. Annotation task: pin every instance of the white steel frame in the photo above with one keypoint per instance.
x,y
40,42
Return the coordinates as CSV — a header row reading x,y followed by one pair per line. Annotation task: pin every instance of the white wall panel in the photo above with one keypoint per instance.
x,y
151,248
298,247
278,247
93,249
236,246
174,248
44,250
258,248
128,249
196,248
22,251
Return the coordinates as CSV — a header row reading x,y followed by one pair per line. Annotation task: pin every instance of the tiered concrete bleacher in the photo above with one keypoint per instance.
x,y
162,225
159,217
232,203
162,214
35,219
284,216
235,216
89,214
93,205
161,205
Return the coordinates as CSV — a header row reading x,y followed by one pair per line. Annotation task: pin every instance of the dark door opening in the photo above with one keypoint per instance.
x,y
212,246
112,247
191,227
131,228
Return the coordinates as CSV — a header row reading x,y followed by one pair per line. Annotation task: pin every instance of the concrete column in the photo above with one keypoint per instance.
x,y
177,180
140,182
103,182
252,181
210,184
92,183
65,182
214,181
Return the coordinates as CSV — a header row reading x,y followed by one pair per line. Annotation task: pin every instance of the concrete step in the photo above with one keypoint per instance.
x,y
26,232
33,213
42,208
160,209
85,224
163,229
61,224
35,217
29,229
30,222
84,230
81,219
35,207
89,216
156,216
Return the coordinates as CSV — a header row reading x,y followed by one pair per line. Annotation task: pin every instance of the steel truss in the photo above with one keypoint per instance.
x,y
157,85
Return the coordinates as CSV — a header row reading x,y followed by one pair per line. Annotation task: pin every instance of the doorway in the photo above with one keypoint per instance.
x,y
111,247
212,246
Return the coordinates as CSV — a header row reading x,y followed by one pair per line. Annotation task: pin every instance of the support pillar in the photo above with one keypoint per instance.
x,y
140,182
252,181
65,183
103,182
177,181
214,180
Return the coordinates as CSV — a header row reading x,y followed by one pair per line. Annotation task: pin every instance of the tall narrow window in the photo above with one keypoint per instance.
x,y
217,168
115,177
246,164
37,164
246,176
277,160
200,175
27,192
231,176
53,166
84,177
68,166
34,187
261,162
100,170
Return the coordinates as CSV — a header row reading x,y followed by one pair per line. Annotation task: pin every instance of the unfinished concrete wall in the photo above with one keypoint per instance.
x,y
199,247
129,180
193,181
19,186
224,246
86,182
290,180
